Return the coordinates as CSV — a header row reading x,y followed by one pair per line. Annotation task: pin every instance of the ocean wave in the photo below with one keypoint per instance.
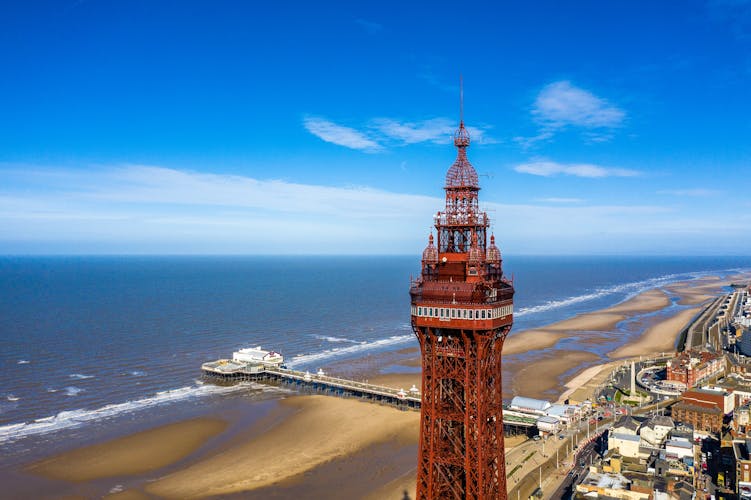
x,y
630,289
23,362
79,376
76,418
328,338
138,373
304,359
12,398
73,390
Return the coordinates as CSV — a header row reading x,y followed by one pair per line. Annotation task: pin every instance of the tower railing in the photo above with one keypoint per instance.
x,y
461,219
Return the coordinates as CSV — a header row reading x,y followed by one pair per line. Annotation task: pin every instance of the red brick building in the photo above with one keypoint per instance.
x,y
704,409
692,367
701,418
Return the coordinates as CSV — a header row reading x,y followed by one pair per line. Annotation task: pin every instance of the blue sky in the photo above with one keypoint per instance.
x,y
325,127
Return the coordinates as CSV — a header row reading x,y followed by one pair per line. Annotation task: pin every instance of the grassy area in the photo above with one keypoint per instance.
x,y
621,396
529,456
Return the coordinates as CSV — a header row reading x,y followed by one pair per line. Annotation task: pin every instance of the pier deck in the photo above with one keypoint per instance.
x,y
231,370
228,370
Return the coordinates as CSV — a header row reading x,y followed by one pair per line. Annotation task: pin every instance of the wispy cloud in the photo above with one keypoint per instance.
x,y
370,27
340,135
551,168
432,79
380,132
559,200
435,130
560,105
698,192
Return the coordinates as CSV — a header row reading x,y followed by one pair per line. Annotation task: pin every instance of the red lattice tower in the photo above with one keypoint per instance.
x,y
462,310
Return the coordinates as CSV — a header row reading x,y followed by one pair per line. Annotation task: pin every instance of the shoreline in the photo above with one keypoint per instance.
x,y
317,436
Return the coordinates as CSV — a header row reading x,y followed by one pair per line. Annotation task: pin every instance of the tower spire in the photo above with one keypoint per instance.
x,y
461,101
461,136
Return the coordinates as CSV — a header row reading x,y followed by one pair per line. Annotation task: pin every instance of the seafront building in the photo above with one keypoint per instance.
x,y
691,368
529,405
704,409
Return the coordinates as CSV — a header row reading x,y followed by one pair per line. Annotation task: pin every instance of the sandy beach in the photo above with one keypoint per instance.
x,y
598,321
322,429
325,440
134,454
658,338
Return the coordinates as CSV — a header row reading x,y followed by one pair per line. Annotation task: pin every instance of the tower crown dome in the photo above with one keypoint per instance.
x,y
475,254
461,136
430,254
493,254
462,174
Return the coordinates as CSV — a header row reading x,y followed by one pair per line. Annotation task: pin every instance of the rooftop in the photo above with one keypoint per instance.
x,y
679,443
626,437
530,403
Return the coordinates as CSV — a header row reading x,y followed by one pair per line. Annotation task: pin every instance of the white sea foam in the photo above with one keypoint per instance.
x,y
328,338
79,376
631,289
75,418
138,373
50,389
73,390
305,359
11,397
23,362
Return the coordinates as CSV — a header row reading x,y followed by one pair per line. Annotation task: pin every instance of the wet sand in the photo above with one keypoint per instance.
x,y
323,429
129,455
658,338
541,379
598,321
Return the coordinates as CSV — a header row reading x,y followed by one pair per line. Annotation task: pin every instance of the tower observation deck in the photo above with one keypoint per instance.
x,y
462,310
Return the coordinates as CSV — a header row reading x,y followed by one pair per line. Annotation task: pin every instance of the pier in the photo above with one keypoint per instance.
x,y
225,370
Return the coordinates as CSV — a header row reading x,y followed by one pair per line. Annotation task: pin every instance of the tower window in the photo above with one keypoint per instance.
x,y
483,314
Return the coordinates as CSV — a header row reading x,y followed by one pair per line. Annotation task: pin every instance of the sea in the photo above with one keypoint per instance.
x,y
90,343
